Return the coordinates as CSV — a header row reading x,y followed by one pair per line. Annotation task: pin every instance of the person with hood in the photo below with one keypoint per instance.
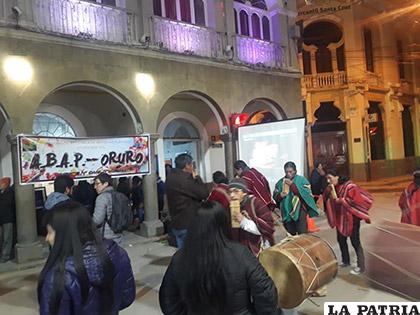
x,y
212,275
7,218
410,201
63,188
83,273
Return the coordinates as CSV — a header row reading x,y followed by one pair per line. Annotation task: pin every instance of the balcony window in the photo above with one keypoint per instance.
x,y
341,58
185,10
157,7
243,17
200,15
235,13
266,28
256,26
368,50
306,56
109,2
170,9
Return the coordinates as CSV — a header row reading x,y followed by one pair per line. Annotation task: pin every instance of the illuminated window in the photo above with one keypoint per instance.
x,y
47,124
243,17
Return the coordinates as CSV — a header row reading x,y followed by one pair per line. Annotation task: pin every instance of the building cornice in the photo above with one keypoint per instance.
x,y
154,53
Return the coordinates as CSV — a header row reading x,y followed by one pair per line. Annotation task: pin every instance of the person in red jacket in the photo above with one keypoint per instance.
x,y
256,182
220,192
410,201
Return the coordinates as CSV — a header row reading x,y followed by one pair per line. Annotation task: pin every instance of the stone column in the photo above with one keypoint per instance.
x,y
151,225
28,247
230,154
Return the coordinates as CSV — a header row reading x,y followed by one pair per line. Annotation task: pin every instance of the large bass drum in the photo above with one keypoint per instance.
x,y
299,266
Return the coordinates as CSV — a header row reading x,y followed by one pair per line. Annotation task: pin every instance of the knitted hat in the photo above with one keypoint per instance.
x,y
5,180
238,183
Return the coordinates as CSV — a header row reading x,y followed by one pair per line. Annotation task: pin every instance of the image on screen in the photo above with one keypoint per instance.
x,y
267,147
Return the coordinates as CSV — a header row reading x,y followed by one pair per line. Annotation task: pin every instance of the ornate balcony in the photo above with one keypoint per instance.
x,y
78,18
259,52
185,38
325,80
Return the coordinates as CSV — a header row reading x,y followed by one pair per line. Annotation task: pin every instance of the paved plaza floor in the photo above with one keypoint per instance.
x,y
150,258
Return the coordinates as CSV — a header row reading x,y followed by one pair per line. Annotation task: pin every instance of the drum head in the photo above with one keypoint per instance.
x,y
286,275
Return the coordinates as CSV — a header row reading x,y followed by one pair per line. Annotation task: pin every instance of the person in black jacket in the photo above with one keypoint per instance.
x,y
185,191
7,218
212,275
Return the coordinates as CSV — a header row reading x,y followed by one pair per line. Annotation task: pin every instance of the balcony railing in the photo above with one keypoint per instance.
x,y
325,80
259,52
186,38
78,18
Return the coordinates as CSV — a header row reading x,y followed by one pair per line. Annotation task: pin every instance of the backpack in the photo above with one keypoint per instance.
x,y
122,216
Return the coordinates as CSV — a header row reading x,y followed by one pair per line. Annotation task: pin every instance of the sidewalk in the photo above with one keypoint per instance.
x,y
150,258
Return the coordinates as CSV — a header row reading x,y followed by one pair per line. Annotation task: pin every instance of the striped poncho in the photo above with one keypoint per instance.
x,y
352,202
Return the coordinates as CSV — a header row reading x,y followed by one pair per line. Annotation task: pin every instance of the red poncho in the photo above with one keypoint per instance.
x,y
220,193
259,187
410,205
352,202
262,216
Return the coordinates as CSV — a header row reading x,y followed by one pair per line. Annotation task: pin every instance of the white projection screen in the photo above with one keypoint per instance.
x,y
267,147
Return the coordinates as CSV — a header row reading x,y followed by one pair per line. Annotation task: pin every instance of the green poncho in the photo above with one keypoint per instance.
x,y
291,204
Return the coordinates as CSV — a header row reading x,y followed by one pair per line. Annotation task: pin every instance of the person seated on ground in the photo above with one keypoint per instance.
x,y
346,205
63,188
213,275
294,195
410,201
83,273
220,191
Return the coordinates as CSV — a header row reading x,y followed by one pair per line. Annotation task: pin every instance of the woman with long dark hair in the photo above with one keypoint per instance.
x,y
212,275
346,205
83,274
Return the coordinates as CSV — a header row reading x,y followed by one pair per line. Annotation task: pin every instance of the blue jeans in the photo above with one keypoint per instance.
x,y
180,237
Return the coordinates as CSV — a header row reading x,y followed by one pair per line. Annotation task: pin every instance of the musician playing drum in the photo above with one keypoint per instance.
x,y
346,205
254,218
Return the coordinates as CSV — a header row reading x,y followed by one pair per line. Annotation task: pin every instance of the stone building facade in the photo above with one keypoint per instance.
x,y
361,85
175,69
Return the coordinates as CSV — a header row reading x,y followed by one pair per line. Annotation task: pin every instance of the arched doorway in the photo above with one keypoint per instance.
x,y
81,109
6,169
190,122
88,109
329,138
263,110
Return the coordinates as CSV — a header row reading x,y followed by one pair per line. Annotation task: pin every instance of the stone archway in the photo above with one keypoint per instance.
x,y
191,109
262,110
92,109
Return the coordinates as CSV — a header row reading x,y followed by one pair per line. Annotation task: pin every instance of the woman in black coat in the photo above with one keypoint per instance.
x,y
213,275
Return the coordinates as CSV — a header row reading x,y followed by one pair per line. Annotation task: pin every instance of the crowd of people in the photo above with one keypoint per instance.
x,y
220,230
